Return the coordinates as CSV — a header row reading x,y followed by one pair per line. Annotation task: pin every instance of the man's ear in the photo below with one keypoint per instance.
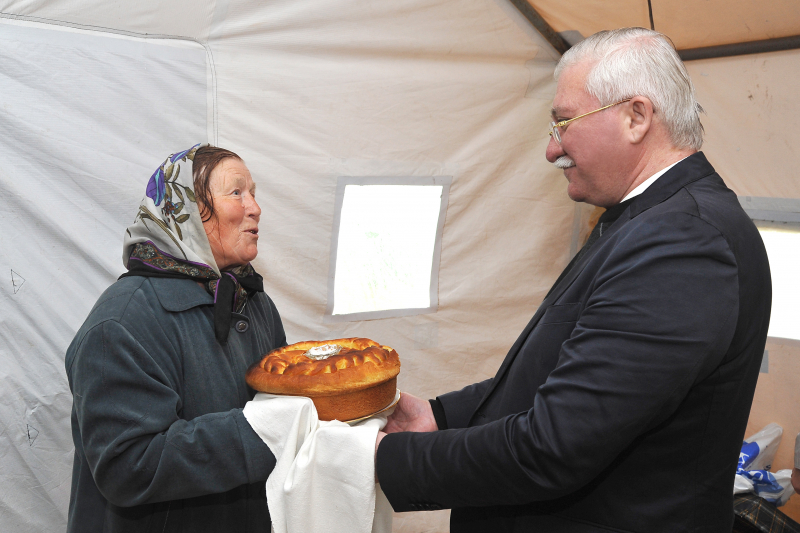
x,y
639,118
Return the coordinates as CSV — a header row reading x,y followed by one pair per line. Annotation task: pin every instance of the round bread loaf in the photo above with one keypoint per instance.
x,y
345,378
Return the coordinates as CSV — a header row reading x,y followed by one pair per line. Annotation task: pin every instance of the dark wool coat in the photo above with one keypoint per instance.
x,y
160,440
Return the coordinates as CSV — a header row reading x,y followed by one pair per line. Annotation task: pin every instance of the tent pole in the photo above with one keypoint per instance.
x,y
541,25
740,49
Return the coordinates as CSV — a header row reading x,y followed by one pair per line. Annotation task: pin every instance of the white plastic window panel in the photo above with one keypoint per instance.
x,y
778,221
385,247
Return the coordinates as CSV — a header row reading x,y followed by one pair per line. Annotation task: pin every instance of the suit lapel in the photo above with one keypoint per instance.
x,y
551,298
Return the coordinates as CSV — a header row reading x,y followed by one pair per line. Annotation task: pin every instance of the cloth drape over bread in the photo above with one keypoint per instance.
x,y
324,479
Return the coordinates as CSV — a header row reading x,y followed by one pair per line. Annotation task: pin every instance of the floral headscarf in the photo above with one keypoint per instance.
x,y
167,239
169,219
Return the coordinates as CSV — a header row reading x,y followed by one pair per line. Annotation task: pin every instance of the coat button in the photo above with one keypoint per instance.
x,y
242,326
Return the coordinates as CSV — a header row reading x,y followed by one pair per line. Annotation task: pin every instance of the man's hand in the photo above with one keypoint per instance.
x,y
411,414
796,480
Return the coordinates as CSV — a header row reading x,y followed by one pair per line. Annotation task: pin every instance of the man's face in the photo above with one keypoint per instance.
x,y
593,152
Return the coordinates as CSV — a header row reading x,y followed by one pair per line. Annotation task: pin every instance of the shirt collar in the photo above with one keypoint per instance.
x,y
649,181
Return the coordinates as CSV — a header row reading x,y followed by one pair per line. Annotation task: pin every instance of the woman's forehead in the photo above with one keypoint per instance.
x,y
231,172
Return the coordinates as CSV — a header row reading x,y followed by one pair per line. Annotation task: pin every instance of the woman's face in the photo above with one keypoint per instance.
x,y
233,230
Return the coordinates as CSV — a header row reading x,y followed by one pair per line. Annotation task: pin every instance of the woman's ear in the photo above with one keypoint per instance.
x,y
639,118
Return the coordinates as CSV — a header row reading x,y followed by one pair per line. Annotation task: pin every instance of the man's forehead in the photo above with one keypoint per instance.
x,y
571,92
565,105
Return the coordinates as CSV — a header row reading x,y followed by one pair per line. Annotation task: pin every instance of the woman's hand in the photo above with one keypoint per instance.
x,y
411,414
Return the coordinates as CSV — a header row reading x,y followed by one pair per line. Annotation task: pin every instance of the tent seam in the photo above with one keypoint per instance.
x,y
127,33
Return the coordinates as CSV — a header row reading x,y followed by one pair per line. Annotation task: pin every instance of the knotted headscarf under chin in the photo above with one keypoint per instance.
x,y
167,240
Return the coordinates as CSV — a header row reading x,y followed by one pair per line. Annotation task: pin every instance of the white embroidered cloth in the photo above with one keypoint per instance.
x,y
324,479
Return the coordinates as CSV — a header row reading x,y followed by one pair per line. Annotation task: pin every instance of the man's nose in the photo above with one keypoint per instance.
x,y
554,150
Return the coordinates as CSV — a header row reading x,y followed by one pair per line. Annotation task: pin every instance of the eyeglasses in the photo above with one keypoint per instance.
x,y
554,126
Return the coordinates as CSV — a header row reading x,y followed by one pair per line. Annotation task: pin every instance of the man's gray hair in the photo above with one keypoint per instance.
x,y
639,62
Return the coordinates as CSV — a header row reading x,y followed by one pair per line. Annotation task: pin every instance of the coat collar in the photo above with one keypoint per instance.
x,y
178,295
691,169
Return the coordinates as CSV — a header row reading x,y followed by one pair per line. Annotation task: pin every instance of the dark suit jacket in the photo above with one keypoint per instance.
x,y
623,404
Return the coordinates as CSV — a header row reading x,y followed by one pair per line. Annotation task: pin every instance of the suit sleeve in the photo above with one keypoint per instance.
x,y
138,448
659,317
459,406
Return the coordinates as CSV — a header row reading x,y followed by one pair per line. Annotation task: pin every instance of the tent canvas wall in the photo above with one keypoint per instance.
x,y
95,95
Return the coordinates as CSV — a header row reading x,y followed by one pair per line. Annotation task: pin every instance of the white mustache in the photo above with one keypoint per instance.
x,y
564,162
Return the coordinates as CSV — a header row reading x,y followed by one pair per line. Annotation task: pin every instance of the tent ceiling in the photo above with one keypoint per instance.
x,y
690,24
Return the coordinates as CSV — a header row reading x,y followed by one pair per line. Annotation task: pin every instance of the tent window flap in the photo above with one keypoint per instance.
x,y
385,247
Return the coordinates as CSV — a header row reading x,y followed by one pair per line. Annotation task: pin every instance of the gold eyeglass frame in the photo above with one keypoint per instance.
x,y
560,124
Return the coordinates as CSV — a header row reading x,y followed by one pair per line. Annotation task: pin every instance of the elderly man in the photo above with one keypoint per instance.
x,y
623,404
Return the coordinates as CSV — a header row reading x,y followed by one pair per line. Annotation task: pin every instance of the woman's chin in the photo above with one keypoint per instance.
x,y
242,256
249,256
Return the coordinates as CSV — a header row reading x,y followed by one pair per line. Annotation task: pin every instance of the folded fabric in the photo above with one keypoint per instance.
x,y
324,478
755,461
775,487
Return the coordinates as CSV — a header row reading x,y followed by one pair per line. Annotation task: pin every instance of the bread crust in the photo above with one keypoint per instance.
x,y
361,365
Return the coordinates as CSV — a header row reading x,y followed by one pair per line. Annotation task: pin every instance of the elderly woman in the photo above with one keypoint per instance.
x,y
157,370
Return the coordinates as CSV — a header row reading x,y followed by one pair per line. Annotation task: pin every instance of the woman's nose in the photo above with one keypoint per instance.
x,y
253,209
